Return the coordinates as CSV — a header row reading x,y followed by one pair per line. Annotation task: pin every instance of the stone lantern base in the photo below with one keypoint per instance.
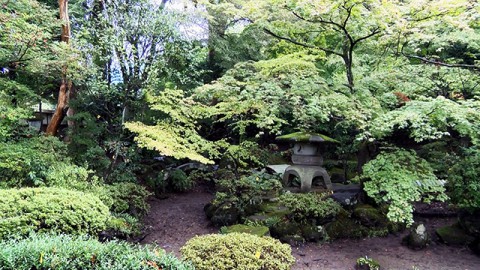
x,y
306,173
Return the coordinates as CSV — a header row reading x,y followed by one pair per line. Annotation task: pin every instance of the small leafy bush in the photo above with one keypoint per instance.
x,y
50,210
179,181
40,161
237,251
62,252
170,181
464,181
70,176
122,226
250,189
307,206
244,194
400,178
124,198
366,263
158,184
128,204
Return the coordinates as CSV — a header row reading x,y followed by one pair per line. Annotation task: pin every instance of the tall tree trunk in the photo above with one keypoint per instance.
x,y
66,85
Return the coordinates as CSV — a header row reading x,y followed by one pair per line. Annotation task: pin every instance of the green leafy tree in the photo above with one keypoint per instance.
x,y
431,119
29,57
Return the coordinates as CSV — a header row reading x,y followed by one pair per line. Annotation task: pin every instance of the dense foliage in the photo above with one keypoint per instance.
x,y
464,181
399,178
124,198
237,251
50,210
41,251
242,195
154,84
40,161
310,206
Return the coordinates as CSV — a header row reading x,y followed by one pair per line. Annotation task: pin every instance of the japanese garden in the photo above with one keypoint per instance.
x,y
239,134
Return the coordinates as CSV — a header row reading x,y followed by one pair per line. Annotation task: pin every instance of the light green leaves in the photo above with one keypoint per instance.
x,y
431,119
398,179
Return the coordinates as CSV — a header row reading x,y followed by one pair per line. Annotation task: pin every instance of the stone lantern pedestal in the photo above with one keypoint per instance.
x,y
307,160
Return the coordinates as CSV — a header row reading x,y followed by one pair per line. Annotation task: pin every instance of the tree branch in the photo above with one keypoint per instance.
x,y
373,33
440,63
300,43
349,13
330,22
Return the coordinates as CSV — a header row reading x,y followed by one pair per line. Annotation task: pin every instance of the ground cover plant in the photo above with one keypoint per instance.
x,y
44,251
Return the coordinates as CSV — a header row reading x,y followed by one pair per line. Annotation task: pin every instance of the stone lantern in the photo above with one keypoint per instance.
x,y
307,159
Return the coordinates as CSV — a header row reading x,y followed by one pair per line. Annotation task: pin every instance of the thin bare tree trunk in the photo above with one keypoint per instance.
x,y
66,85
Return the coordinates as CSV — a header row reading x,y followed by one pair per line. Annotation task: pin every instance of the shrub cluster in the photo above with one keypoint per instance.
x,y
127,202
237,198
63,252
124,198
237,251
248,189
50,210
464,181
307,206
40,161
170,181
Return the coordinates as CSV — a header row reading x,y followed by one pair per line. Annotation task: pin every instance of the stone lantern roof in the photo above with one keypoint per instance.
x,y
305,137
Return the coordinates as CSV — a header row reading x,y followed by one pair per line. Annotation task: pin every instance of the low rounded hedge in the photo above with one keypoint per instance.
x,y
62,252
237,251
50,210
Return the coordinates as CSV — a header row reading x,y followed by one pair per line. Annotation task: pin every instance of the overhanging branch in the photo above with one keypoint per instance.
x,y
440,63
373,33
300,43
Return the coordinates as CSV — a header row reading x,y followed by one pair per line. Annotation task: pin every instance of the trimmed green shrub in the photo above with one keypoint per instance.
x,y
243,228
158,184
307,206
50,210
70,176
62,252
122,226
248,190
127,203
124,198
40,161
237,251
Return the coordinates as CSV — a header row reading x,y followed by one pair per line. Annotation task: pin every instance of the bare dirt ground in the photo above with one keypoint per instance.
x,y
171,222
